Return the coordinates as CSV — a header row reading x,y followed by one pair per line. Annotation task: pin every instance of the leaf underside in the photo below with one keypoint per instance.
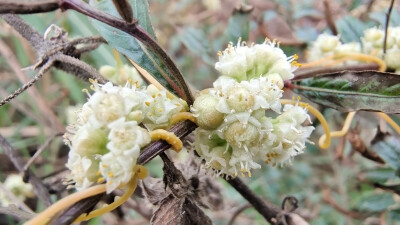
x,y
352,91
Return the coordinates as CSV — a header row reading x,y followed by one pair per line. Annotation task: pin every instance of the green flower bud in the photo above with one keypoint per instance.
x,y
208,117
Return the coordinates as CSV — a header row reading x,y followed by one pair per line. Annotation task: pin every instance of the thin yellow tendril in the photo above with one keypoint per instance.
x,y
344,129
389,120
182,116
340,57
322,144
44,216
140,173
167,136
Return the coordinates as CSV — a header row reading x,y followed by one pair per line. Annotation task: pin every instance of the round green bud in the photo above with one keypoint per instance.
x,y
208,117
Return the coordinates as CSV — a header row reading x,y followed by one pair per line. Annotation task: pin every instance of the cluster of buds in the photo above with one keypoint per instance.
x,y
327,45
373,41
106,139
17,187
240,119
372,44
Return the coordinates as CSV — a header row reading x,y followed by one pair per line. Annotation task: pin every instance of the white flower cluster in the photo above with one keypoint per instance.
x,y
16,186
106,139
244,62
327,45
235,117
373,40
372,44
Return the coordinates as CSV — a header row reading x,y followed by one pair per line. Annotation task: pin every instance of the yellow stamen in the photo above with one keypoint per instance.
x,y
147,103
167,136
322,144
180,116
389,120
100,180
110,174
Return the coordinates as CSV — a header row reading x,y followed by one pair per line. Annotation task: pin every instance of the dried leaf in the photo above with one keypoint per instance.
x,y
179,211
154,190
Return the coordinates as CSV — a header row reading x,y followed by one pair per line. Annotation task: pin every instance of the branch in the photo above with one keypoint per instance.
x,y
329,19
359,146
28,6
39,188
326,196
387,25
237,213
64,58
268,210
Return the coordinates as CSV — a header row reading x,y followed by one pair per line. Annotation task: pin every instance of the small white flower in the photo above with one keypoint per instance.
x,y
117,169
83,170
126,136
158,108
289,136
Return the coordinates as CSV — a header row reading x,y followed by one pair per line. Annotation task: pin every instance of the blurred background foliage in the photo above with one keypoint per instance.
x,y
337,186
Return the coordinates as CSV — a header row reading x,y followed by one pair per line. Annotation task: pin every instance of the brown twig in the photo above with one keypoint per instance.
x,y
268,210
237,213
28,6
124,9
15,212
329,19
358,145
37,153
326,196
39,188
387,25
52,119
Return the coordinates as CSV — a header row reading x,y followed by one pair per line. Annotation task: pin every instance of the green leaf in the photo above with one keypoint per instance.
x,y
135,50
141,13
380,175
238,27
351,91
380,17
376,202
350,29
196,41
388,148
